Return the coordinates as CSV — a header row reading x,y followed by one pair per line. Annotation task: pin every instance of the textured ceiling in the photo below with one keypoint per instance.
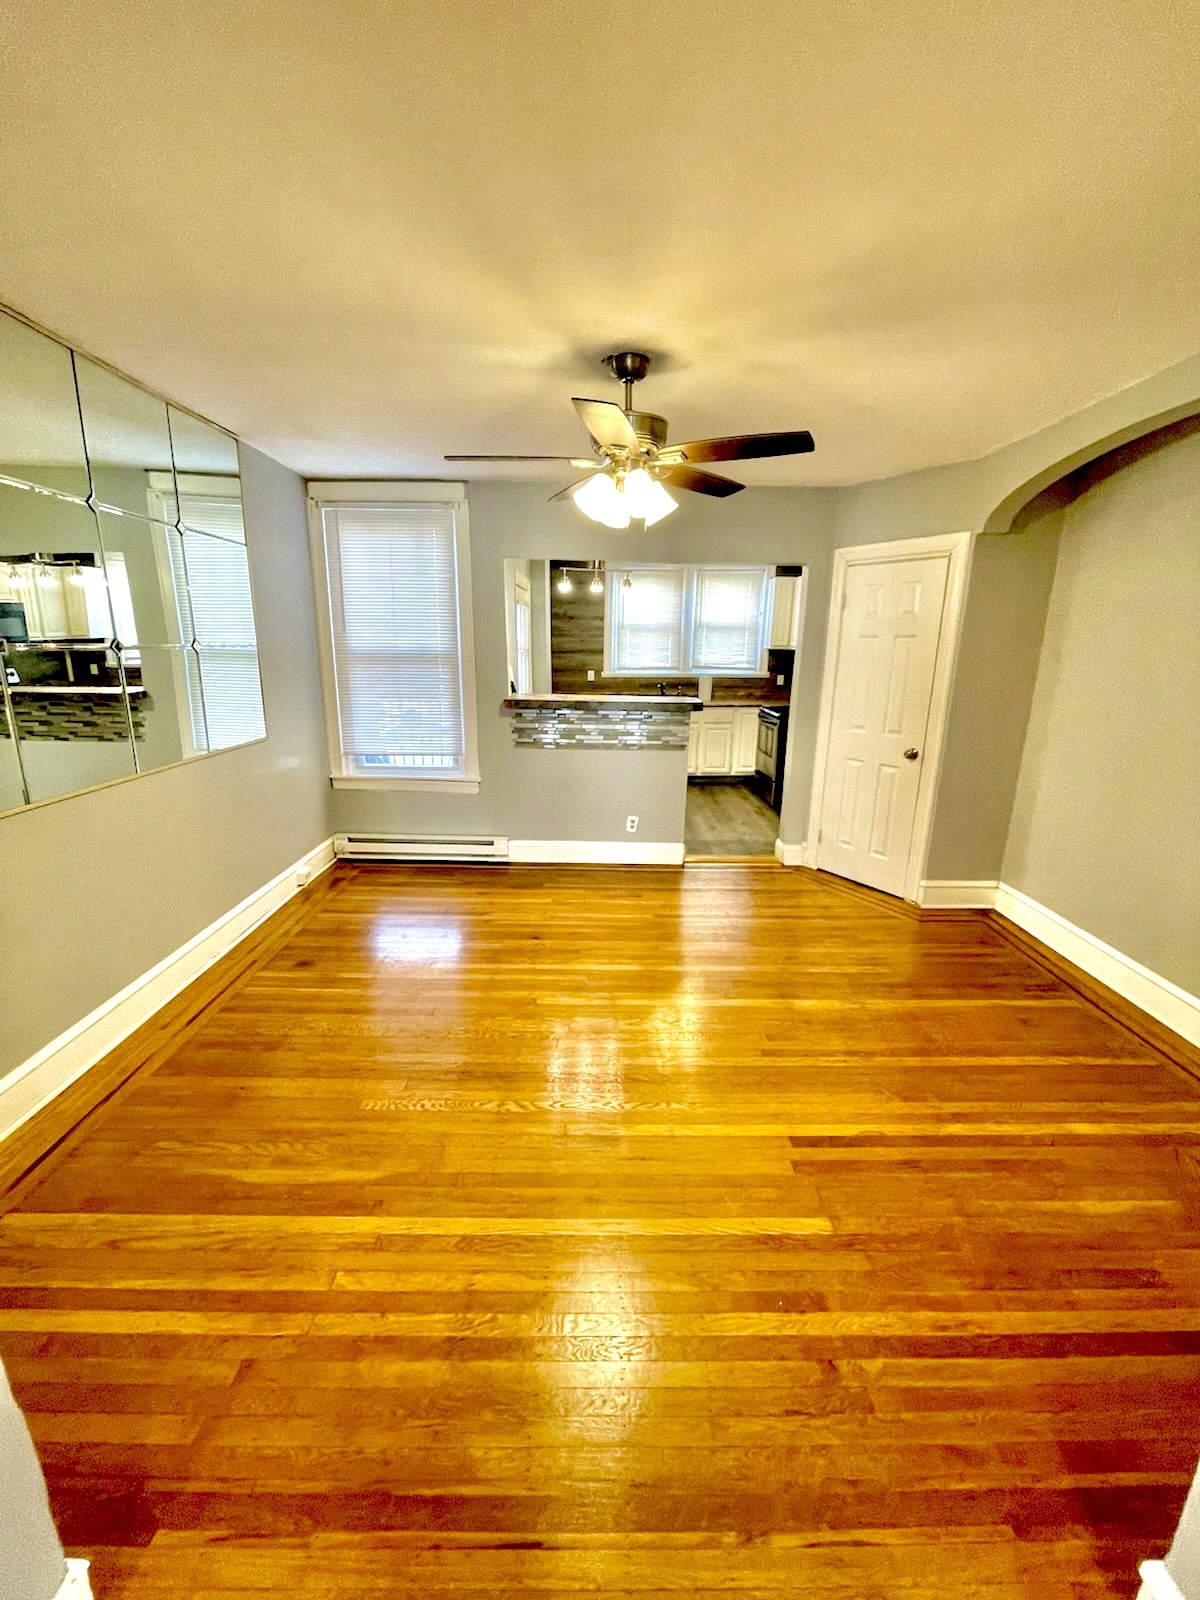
x,y
364,234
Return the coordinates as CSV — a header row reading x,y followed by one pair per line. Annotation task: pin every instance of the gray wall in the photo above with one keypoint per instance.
x,y
586,794
100,887
1011,576
1106,822
31,1559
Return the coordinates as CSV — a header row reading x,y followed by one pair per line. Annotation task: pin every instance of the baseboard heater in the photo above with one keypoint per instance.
x,y
419,847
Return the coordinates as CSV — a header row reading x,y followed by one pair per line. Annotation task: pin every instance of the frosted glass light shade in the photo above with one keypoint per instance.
x,y
646,498
599,498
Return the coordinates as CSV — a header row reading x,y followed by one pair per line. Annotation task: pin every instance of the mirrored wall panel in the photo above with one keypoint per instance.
x,y
41,440
127,634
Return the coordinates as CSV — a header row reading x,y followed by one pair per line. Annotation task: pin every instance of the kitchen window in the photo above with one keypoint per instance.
x,y
395,610
686,621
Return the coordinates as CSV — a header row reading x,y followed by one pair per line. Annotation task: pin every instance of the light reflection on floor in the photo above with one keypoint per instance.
x,y
423,941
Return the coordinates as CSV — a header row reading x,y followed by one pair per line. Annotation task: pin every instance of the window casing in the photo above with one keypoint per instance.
x,y
394,602
685,622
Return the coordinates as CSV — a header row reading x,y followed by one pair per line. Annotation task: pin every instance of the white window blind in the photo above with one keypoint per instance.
x,y
396,630
215,614
727,623
524,628
646,608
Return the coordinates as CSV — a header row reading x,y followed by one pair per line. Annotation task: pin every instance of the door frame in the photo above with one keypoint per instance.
x,y
958,547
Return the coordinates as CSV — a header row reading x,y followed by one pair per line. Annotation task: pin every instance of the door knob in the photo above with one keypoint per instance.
x,y
911,753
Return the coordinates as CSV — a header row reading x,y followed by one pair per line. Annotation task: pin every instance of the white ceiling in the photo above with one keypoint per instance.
x,y
362,233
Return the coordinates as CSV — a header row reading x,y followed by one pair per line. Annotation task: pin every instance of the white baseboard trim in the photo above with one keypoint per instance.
x,y
1157,1583
948,894
76,1585
588,852
1166,1002
792,855
58,1064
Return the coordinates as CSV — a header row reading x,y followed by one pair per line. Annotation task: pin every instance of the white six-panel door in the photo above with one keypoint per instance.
x,y
890,628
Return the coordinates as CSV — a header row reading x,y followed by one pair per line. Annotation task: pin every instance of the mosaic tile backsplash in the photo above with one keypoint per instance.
x,y
554,727
83,716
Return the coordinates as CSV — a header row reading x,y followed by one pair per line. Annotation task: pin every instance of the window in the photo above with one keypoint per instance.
x,y
685,621
395,607
646,606
523,613
206,582
214,611
727,619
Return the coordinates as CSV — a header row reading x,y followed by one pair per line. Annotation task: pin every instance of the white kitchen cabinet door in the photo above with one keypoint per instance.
x,y
783,614
694,742
745,738
716,746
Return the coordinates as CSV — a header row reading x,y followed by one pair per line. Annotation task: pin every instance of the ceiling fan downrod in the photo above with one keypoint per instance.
x,y
628,367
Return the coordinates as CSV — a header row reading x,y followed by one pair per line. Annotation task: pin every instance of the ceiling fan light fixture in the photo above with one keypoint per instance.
x,y
646,498
599,498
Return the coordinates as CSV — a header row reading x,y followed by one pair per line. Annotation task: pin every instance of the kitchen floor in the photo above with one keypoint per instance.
x,y
728,819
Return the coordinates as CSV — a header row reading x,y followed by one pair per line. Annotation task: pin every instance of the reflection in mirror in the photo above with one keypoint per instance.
x,y
41,441
201,448
127,636
64,683
128,441
182,609
12,784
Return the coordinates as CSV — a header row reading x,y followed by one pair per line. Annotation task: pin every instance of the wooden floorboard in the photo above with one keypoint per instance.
x,y
621,1232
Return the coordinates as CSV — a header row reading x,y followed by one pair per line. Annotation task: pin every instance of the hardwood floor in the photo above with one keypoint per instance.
x,y
548,1231
728,819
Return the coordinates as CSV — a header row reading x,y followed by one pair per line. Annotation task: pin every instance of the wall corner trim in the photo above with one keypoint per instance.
x,y
57,1065
960,895
594,852
792,855
1157,1583
1161,999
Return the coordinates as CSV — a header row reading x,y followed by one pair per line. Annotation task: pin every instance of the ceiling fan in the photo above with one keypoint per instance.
x,y
633,463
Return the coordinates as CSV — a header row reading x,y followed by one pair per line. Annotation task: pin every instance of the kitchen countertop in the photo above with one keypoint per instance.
x,y
623,702
72,688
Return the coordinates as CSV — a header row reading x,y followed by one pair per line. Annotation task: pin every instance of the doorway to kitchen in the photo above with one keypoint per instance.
x,y
738,737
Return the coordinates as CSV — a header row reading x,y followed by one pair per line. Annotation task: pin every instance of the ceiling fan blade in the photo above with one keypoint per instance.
x,y
565,494
571,459
739,447
699,482
606,423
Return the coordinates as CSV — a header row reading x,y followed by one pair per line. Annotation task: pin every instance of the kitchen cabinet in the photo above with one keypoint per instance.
x,y
716,743
721,741
786,595
745,737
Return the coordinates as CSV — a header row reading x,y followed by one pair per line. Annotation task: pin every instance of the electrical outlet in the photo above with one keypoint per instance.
x,y
591,674
779,679
631,824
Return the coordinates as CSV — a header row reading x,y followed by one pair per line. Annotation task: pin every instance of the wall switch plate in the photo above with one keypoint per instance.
x,y
779,679
631,824
591,674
